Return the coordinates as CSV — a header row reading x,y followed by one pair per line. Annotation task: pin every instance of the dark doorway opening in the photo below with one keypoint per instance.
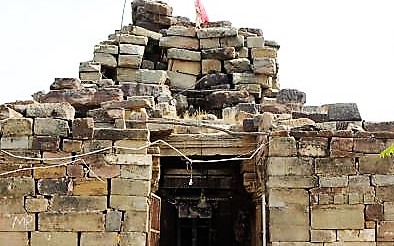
x,y
203,206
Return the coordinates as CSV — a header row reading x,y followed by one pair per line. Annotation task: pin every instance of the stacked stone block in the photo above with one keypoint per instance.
x,y
330,188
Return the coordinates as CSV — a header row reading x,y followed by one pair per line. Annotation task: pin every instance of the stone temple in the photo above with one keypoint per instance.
x,y
181,136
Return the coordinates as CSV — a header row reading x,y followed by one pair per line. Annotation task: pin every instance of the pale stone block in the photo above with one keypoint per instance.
x,y
253,89
295,182
242,52
130,61
216,32
182,81
129,159
382,180
131,49
181,31
332,182
144,76
131,146
129,203
137,221
183,54
296,217
255,42
282,146
106,48
105,59
209,43
264,66
131,39
313,146
90,76
133,239
185,67
266,52
99,238
282,166
365,235
24,142
337,217
54,238
16,239
136,172
129,187
239,65
51,127
288,197
140,31
89,66
352,244
16,127
180,42
236,41
388,210
211,66
323,236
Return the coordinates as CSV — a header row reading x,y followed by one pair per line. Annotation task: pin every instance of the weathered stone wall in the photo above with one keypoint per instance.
x,y
329,188
65,182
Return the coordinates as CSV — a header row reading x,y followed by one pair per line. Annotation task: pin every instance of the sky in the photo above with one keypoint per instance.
x,y
336,51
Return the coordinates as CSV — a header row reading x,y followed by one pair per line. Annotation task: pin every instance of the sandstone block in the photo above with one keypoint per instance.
x,y
282,146
343,112
108,115
264,52
382,180
17,222
16,127
113,221
46,143
183,54
89,66
140,31
295,216
60,204
379,126
335,166
313,146
105,59
125,38
8,143
36,205
388,211
129,159
209,43
340,146
181,81
129,187
255,42
332,182
8,112
53,186
132,103
136,221
57,154
368,145
119,134
132,238
180,42
186,67
323,236
216,32
373,164
131,146
17,187
92,145
51,127
131,49
366,235
374,212
226,53
66,83
242,52
82,128
282,166
239,65
142,76
236,41
89,187
294,182
291,96
288,197
70,146
106,48
15,238
106,171
385,193
211,66
54,238
385,231
136,172
129,203
99,239
337,217
253,89
181,31
12,205
359,183
71,222
49,173
130,61
264,66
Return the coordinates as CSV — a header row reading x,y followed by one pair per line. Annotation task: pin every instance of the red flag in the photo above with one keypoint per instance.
x,y
202,16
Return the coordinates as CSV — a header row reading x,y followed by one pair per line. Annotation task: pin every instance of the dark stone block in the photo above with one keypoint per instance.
x,y
343,112
82,128
316,117
119,134
291,96
227,53
46,143
379,126
53,186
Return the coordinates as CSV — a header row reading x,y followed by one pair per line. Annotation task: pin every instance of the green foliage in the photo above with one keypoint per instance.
x,y
387,152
